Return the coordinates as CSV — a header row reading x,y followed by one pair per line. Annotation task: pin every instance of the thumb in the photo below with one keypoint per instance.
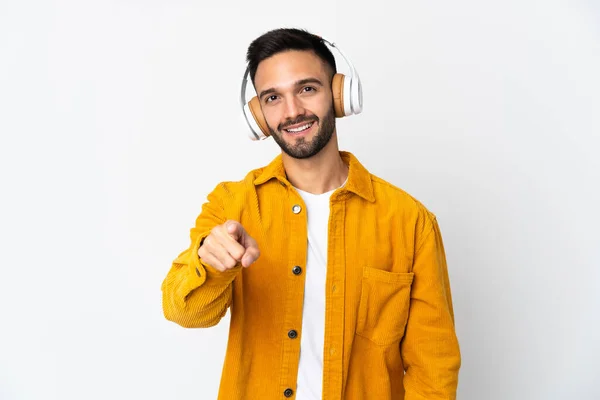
x,y
252,252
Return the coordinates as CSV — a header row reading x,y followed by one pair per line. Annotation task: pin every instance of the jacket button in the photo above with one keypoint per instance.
x,y
288,392
296,209
297,270
292,334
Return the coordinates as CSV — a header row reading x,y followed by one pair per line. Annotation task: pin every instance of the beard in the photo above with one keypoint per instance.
x,y
305,149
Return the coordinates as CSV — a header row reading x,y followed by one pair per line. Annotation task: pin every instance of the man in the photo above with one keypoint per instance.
x,y
336,279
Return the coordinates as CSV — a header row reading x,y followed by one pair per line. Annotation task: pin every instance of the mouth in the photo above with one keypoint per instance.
x,y
299,130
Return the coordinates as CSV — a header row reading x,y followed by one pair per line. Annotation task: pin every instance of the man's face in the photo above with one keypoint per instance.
x,y
294,90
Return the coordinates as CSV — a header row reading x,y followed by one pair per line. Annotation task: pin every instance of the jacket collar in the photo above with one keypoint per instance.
x,y
359,179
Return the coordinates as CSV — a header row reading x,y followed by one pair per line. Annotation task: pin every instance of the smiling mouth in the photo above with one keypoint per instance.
x,y
300,129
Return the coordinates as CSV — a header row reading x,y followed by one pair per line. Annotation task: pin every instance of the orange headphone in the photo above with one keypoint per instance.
x,y
347,99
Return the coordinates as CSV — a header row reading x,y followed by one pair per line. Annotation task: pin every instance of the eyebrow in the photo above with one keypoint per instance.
x,y
298,83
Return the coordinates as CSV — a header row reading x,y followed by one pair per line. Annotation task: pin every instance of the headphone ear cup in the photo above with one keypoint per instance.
x,y
356,96
254,107
337,88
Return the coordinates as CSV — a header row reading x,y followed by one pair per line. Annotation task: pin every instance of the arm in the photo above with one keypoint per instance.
x,y
430,348
194,294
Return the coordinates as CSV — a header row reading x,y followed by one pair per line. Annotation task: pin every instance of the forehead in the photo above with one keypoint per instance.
x,y
288,67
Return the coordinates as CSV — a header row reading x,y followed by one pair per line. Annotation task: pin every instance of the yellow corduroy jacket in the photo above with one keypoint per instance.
x,y
389,330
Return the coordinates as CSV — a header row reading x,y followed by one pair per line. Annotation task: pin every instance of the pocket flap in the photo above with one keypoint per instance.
x,y
388,277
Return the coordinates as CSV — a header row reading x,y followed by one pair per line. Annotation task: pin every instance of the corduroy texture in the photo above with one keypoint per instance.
x,y
389,325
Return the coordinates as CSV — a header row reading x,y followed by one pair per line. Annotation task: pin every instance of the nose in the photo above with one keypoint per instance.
x,y
293,108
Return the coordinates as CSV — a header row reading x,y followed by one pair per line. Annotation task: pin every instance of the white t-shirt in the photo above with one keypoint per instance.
x,y
310,368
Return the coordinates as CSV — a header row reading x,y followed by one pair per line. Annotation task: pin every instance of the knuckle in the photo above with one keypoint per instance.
x,y
237,253
217,265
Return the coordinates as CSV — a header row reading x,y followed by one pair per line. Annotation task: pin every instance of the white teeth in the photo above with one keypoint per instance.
x,y
303,127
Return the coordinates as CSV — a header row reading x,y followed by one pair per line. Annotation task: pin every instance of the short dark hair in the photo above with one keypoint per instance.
x,y
285,39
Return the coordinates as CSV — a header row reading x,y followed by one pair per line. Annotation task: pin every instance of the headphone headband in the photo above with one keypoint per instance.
x,y
352,70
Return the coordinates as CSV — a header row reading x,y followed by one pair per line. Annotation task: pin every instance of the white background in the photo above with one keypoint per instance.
x,y
118,117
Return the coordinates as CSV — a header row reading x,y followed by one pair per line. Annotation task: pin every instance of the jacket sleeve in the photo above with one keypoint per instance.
x,y
194,294
430,349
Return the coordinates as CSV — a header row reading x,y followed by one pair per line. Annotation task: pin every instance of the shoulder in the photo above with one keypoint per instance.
x,y
407,209
398,197
237,188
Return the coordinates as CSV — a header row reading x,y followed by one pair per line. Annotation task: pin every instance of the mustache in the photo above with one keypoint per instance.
x,y
298,120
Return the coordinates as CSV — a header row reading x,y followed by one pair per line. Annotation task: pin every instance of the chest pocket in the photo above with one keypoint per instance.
x,y
384,305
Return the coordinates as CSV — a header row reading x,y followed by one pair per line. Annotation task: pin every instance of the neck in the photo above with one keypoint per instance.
x,y
323,172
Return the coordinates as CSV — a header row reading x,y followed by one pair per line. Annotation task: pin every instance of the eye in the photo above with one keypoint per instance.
x,y
308,89
271,98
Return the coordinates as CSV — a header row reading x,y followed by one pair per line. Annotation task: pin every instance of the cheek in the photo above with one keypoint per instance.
x,y
320,105
272,117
